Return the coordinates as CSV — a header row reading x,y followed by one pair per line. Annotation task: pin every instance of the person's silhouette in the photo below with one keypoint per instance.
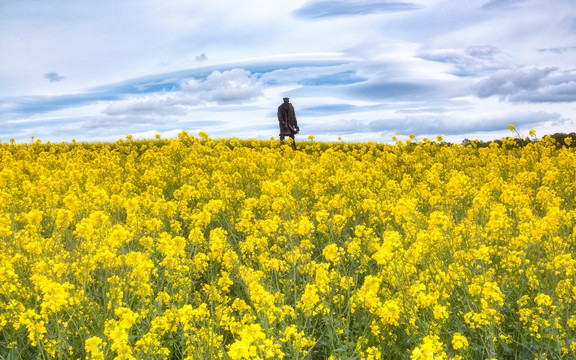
x,y
287,121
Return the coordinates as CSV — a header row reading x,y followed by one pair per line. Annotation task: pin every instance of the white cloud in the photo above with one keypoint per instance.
x,y
231,86
227,88
529,85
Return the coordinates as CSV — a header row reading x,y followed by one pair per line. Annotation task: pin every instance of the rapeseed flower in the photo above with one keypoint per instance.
x,y
201,248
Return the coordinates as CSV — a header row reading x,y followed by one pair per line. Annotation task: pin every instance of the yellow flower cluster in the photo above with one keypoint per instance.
x,y
196,248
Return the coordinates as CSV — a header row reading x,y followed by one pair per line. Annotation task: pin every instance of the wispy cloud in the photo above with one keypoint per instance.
x,y
557,50
318,9
435,124
332,109
381,89
472,61
501,4
338,78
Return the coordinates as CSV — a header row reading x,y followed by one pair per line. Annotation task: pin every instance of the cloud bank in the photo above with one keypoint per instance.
x,y
529,85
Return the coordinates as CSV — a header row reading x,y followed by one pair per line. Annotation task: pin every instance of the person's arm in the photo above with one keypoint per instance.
x,y
295,121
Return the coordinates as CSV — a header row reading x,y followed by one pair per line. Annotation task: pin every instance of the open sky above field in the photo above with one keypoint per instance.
x,y
359,69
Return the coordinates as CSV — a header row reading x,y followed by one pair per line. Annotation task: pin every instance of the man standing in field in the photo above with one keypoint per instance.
x,y
287,121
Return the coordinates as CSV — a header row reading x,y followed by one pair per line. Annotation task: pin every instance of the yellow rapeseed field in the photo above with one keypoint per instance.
x,y
196,248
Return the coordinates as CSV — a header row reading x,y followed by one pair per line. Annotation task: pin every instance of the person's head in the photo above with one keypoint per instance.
x,y
286,99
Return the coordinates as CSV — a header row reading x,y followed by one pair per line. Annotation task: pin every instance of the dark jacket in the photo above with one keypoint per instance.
x,y
287,119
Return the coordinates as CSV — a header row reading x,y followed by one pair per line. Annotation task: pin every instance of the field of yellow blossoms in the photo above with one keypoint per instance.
x,y
196,248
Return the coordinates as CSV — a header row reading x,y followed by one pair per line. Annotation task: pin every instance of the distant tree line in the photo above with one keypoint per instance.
x,y
558,139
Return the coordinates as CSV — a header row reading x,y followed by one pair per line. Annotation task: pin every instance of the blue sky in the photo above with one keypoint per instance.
x,y
358,69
